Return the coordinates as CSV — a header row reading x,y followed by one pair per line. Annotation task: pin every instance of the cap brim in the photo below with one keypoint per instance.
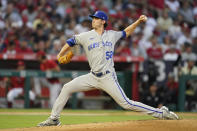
x,y
92,16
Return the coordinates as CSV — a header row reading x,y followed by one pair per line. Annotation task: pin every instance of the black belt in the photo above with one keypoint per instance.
x,y
100,73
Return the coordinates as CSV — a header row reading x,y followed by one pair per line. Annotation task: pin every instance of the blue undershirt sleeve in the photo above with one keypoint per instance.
x,y
71,42
123,34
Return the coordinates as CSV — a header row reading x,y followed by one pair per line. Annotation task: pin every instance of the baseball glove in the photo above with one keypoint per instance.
x,y
66,59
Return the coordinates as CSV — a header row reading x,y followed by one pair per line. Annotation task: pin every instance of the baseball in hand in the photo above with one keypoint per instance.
x,y
143,18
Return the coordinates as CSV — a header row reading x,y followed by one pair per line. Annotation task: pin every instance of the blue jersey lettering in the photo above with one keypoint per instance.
x,y
92,46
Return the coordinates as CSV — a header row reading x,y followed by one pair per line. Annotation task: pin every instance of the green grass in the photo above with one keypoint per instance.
x,y
16,121
19,121
24,110
29,119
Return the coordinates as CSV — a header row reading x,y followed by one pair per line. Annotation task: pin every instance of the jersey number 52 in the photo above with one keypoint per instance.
x,y
109,54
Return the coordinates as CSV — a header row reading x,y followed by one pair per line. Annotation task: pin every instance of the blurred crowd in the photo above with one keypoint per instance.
x,y
170,33
28,26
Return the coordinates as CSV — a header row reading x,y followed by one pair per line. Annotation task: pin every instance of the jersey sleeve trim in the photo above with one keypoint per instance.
x,y
123,34
71,42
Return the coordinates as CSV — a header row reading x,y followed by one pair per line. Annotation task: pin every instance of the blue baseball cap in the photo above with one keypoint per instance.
x,y
100,14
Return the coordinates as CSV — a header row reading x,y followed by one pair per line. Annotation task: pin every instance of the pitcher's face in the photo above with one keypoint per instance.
x,y
97,23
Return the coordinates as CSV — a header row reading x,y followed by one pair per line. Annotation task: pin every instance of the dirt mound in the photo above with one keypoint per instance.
x,y
140,125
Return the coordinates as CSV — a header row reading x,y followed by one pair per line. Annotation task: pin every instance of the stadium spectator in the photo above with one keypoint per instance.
x,y
194,45
13,16
149,28
24,48
171,90
166,43
174,6
155,51
11,43
187,12
82,27
175,30
143,43
185,37
53,84
171,54
152,72
123,49
152,97
190,68
194,30
55,47
157,3
70,29
188,52
10,48
40,39
17,87
29,14
164,22
136,50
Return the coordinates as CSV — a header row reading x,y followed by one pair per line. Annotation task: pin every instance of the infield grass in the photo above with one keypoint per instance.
x,y
20,118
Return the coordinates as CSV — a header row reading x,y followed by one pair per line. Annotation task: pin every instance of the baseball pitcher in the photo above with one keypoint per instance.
x,y
98,44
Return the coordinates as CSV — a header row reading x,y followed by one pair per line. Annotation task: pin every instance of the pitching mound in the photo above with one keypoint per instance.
x,y
147,125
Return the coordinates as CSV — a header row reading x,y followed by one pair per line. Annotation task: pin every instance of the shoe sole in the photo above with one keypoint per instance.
x,y
49,125
175,116
167,110
59,124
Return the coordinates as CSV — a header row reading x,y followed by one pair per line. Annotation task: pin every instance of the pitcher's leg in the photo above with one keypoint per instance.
x,y
112,87
82,83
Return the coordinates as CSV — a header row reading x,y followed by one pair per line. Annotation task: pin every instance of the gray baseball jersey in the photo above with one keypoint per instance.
x,y
99,50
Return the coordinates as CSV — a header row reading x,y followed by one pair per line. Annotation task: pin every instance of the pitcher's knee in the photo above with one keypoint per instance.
x,y
67,89
125,105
